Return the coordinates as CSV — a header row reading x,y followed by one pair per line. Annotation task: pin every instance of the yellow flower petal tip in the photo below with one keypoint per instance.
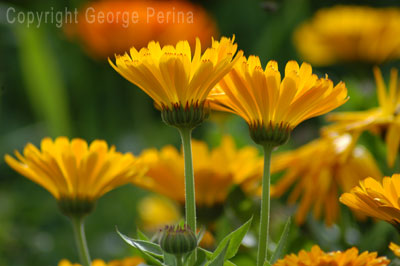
x,y
383,120
212,182
349,34
376,199
338,258
75,173
273,106
316,172
174,78
395,248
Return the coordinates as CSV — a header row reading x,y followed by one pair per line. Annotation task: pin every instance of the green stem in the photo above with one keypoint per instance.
x,y
190,203
80,238
265,207
179,260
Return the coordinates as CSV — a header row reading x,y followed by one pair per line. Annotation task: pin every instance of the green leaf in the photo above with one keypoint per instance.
x,y
267,263
42,77
141,235
169,259
235,239
143,245
282,242
209,255
220,259
201,257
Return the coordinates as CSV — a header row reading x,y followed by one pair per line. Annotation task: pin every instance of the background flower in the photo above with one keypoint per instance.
x,y
135,23
377,199
350,33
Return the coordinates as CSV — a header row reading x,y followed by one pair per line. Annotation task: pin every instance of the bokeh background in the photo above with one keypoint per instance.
x,y
57,81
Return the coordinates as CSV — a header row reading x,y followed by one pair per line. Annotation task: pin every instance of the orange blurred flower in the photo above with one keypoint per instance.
x,y
108,27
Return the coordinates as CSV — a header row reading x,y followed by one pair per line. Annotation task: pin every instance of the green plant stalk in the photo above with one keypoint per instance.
x,y
265,207
190,201
80,239
179,260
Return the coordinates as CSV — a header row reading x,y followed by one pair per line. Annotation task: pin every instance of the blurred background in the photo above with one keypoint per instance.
x,y
55,80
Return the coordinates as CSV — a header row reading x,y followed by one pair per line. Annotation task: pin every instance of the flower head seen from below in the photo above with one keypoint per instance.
x,y
132,261
273,106
75,173
382,120
178,82
376,199
212,182
336,166
138,22
317,257
348,34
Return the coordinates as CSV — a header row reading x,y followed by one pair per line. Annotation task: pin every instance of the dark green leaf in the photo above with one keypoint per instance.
x,y
282,242
220,259
235,239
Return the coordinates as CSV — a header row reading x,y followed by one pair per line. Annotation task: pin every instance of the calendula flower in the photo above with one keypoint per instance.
x,y
395,248
177,82
317,257
377,199
133,261
75,173
272,106
350,33
382,120
336,166
213,182
107,27
155,212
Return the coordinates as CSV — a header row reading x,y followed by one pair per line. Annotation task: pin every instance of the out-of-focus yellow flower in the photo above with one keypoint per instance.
x,y
172,77
395,248
269,103
317,257
318,171
73,172
133,261
350,33
108,27
376,199
215,171
155,212
384,119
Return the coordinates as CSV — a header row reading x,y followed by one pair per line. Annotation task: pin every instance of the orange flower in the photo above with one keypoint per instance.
x,y
108,27
316,257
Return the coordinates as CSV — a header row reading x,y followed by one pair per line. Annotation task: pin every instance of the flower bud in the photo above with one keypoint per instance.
x,y
178,239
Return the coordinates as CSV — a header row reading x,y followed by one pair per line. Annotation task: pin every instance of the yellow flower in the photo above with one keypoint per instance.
x,y
384,119
379,200
155,212
133,261
350,33
215,171
172,77
317,172
317,257
395,248
269,103
73,172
